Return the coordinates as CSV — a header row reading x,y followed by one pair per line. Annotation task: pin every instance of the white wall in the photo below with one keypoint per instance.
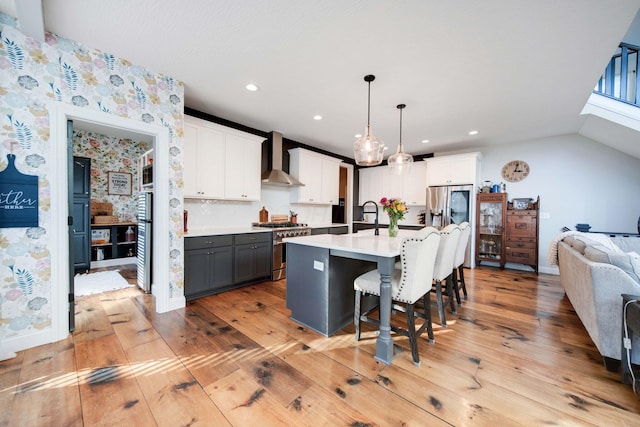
x,y
578,181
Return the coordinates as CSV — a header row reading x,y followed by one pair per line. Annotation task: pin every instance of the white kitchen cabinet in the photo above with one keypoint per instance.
x,y
320,175
453,170
415,190
220,162
331,180
203,162
242,179
370,185
378,182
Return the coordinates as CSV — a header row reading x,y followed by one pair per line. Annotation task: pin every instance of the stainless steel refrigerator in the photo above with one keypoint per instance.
x,y
145,244
450,205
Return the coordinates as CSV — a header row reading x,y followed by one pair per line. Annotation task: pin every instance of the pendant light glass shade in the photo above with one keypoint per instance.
x,y
368,150
400,162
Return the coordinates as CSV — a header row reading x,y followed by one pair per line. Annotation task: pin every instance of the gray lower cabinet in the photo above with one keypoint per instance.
x,y
329,230
214,264
252,257
339,230
208,265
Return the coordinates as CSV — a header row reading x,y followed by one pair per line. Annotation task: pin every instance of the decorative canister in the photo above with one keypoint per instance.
x,y
495,188
503,187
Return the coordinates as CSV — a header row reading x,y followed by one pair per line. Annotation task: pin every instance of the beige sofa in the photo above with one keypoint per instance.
x,y
594,272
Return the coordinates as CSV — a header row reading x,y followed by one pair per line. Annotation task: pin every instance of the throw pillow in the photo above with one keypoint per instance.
x,y
597,253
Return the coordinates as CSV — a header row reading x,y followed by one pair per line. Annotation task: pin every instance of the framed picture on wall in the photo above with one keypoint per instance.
x,y
119,183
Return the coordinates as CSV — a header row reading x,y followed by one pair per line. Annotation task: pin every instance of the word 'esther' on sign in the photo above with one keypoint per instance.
x,y
18,197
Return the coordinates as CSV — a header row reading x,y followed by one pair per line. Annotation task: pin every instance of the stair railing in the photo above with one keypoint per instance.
x,y
620,80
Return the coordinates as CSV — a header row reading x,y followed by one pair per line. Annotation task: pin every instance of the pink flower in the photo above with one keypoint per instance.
x,y
383,201
13,294
99,63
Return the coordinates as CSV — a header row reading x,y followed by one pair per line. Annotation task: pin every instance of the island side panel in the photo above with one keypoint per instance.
x,y
322,300
307,295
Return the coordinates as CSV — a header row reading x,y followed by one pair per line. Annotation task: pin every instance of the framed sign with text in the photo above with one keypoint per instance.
x,y
18,197
119,183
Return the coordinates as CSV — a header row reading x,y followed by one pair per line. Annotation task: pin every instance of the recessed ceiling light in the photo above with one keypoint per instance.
x,y
317,117
424,141
358,135
251,87
473,132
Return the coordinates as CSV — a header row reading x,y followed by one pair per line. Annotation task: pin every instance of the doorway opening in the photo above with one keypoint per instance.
x,y
343,212
109,241
61,277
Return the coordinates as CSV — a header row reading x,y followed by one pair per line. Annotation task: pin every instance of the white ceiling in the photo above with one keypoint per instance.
x,y
511,69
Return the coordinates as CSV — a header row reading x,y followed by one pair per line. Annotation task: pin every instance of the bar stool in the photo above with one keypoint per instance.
x,y
409,283
458,267
449,237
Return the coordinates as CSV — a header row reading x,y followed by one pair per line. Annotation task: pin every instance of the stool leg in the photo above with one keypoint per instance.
x,y
443,320
356,315
456,290
464,285
427,316
449,289
413,339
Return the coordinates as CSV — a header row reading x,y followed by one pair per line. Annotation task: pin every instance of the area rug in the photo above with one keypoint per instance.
x,y
102,281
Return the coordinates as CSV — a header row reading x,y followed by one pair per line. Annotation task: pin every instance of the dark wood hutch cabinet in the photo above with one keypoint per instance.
x,y
490,228
523,234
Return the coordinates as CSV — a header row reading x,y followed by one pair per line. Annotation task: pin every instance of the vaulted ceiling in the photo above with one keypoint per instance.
x,y
512,70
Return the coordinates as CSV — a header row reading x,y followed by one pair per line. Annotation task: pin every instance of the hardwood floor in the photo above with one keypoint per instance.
x,y
516,354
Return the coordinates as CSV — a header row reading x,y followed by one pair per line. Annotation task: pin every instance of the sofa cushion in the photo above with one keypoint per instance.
x,y
597,253
629,262
578,244
627,244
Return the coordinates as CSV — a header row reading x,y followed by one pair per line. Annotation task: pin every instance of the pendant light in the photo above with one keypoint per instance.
x,y
400,162
368,150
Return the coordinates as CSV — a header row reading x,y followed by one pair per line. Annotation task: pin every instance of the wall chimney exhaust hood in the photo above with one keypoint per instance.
x,y
276,176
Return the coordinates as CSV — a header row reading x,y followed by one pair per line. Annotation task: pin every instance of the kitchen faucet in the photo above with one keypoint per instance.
x,y
376,212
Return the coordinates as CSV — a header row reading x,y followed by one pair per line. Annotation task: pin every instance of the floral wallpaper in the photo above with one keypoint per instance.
x,y
111,154
32,75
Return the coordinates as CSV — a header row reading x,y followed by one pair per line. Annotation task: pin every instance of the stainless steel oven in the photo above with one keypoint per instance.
x,y
279,260
280,231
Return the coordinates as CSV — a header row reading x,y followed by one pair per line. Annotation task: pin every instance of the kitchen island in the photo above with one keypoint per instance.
x,y
320,274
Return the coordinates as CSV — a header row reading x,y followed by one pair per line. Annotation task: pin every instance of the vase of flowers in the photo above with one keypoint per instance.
x,y
396,209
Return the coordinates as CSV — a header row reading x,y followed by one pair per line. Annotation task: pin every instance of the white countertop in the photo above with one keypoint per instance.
x,y
363,242
219,231
326,225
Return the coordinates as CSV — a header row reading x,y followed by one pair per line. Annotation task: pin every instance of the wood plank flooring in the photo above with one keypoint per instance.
x,y
516,354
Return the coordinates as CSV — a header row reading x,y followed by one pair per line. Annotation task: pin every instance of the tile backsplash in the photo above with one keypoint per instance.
x,y
222,213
